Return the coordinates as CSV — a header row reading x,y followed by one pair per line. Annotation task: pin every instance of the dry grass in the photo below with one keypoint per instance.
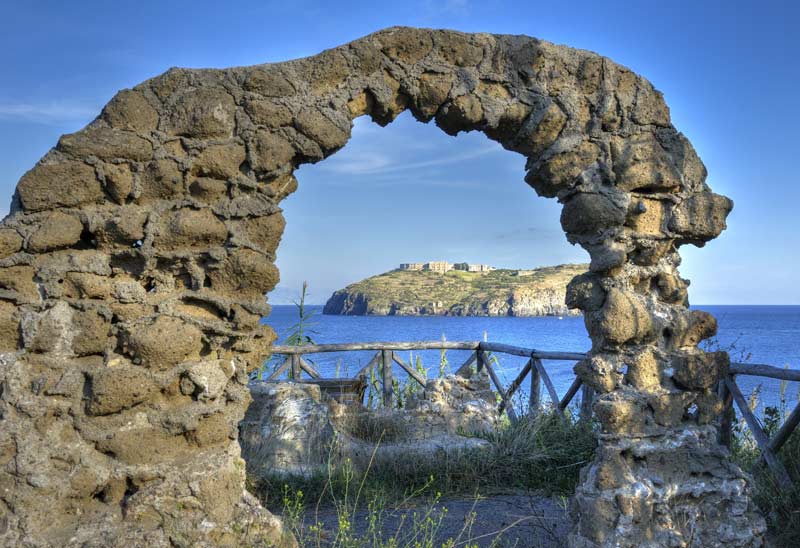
x,y
375,427
543,454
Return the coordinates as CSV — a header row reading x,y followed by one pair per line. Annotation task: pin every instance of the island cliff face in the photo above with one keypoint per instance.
x,y
536,292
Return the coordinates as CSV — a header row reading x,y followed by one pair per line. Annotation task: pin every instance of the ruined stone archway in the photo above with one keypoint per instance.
x,y
135,260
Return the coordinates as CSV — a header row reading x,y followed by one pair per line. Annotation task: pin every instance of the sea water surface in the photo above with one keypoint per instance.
x,y
755,334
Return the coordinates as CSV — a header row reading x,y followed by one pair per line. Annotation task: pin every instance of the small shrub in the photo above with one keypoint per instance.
x,y
298,334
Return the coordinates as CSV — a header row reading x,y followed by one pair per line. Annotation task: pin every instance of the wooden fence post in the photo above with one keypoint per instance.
x,y
280,370
466,369
509,408
761,438
388,388
516,383
587,401
296,367
548,384
571,391
535,400
727,416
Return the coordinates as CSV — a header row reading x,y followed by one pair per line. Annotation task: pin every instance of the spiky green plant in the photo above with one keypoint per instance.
x,y
444,365
299,334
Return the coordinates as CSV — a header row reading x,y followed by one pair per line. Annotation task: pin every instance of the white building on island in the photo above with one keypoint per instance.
x,y
444,266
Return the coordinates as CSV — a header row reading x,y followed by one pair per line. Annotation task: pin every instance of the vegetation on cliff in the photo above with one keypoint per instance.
x,y
536,292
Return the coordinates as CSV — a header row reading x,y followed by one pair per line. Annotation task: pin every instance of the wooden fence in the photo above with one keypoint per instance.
x,y
387,355
730,393
295,365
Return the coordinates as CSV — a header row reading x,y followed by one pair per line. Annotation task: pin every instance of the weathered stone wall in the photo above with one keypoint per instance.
x,y
294,429
135,259
287,430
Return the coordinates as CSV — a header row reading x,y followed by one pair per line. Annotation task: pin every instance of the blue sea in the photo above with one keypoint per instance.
x,y
755,334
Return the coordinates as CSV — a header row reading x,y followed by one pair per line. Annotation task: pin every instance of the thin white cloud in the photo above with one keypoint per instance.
x,y
362,165
447,7
391,180
443,183
47,113
371,163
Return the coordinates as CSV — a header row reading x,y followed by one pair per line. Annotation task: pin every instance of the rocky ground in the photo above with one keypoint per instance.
x,y
511,520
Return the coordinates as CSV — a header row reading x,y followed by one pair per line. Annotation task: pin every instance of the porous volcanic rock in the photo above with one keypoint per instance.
x,y
83,465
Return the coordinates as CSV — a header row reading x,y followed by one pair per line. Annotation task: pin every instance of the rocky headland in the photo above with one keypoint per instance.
x,y
501,292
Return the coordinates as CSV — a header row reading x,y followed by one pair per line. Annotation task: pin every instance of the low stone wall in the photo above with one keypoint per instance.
x,y
286,430
293,429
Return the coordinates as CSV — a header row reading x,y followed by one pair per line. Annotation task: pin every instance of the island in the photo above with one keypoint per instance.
x,y
439,288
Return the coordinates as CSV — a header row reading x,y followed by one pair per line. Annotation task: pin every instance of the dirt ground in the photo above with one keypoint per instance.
x,y
502,521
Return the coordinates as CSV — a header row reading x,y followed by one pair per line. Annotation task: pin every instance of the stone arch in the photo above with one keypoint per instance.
x,y
135,259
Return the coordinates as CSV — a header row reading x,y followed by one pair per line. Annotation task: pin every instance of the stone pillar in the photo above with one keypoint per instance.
x,y
660,477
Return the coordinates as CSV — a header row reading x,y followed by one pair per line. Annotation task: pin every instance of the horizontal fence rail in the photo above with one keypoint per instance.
x,y
761,370
386,355
428,345
294,366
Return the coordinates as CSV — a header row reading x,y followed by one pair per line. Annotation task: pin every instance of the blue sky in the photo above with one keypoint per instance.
x,y
729,70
